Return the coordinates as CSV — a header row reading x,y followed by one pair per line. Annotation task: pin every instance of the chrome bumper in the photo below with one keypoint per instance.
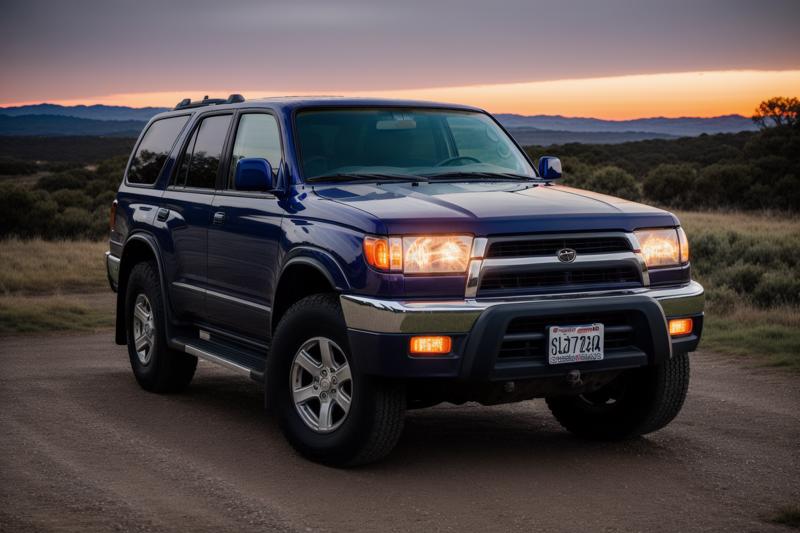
x,y
393,316
112,269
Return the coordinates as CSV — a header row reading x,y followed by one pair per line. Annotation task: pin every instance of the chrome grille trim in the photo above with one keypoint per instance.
x,y
479,266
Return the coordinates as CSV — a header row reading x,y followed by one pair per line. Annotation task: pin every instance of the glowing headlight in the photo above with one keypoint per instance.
x,y
663,247
436,255
429,254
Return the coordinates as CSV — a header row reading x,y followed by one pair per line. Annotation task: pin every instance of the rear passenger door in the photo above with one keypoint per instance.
x,y
243,241
188,201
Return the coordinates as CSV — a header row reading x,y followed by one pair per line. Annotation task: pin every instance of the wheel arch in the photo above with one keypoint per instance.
x,y
138,247
308,271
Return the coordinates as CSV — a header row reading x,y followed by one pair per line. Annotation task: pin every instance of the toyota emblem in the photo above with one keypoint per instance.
x,y
566,255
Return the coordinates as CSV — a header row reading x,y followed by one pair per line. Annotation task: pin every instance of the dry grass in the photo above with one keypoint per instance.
x,y
788,516
40,314
748,223
30,267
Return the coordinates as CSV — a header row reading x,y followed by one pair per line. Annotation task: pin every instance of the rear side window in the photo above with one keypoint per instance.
x,y
152,152
256,136
200,162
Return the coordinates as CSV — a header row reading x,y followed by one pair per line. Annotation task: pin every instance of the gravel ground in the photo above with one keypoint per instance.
x,y
82,448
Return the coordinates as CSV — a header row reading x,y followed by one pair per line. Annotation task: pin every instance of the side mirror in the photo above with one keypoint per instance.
x,y
254,174
549,167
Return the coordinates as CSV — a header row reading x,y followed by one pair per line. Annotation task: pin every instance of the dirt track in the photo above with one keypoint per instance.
x,y
82,448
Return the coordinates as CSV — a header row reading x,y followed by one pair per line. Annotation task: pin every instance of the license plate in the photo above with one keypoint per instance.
x,y
573,344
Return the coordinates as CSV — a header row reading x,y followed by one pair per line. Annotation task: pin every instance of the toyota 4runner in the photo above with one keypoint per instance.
x,y
365,257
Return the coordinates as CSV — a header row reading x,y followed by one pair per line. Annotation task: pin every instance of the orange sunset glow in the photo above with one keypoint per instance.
x,y
614,97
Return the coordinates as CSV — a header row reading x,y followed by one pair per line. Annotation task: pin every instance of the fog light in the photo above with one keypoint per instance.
x,y
431,345
680,326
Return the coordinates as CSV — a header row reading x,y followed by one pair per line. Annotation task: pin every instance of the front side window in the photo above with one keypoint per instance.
x,y
257,136
422,142
153,151
200,162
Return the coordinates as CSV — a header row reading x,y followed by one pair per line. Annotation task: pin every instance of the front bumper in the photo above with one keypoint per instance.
x,y
379,331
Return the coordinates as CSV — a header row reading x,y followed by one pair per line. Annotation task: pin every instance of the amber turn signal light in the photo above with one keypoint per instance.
x,y
680,326
431,345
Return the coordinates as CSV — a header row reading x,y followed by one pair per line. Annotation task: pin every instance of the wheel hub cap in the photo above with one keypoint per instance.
x,y
144,329
321,384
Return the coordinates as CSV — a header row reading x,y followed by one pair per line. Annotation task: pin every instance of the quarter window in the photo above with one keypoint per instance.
x,y
257,136
153,151
200,162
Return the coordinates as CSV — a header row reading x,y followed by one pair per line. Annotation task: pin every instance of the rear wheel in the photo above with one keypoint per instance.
x,y
156,366
637,402
328,410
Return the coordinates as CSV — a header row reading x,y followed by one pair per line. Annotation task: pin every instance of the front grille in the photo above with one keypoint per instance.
x,y
526,337
618,275
544,247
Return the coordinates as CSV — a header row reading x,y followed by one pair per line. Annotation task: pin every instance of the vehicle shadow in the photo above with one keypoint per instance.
x,y
443,437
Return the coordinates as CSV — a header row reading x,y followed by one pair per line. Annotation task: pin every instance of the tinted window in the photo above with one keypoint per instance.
x,y
200,162
256,136
186,159
427,142
154,149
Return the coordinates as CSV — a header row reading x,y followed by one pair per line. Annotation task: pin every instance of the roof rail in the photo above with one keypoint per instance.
x,y
186,103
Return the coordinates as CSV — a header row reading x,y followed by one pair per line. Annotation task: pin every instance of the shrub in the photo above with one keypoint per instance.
x,y
10,166
615,182
670,184
71,198
777,288
723,184
25,213
74,222
741,277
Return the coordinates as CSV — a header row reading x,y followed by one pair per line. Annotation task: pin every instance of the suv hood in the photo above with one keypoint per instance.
x,y
492,208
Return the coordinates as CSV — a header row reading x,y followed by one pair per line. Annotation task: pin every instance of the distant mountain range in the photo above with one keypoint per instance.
x,y
94,112
121,121
58,125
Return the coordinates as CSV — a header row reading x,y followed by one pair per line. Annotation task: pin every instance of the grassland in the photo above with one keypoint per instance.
x,y
749,264
35,266
53,286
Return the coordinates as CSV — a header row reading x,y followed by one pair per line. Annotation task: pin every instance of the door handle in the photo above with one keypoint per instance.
x,y
219,217
162,215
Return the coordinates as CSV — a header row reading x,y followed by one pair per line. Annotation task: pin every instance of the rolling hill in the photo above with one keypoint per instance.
x,y
56,120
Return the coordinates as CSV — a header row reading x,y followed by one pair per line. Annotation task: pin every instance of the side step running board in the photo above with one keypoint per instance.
x,y
244,362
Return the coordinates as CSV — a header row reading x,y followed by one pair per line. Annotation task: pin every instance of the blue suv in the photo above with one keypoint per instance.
x,y
364,257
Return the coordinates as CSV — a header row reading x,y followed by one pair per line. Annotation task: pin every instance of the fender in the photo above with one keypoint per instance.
x,y
150,241
320,259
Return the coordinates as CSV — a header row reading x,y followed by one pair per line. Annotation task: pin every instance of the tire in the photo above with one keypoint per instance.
x,y
355,432
157,367
637,402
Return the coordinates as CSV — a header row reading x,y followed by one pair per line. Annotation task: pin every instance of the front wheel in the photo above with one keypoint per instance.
x,y
328,410
637,402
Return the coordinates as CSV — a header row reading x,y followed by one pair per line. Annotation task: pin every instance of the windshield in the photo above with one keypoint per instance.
x,y
401,142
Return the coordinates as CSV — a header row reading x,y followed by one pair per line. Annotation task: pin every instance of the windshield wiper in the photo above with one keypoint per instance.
x,y
490,175
365,176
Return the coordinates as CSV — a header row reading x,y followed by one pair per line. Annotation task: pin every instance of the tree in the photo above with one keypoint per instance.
x,y
779,112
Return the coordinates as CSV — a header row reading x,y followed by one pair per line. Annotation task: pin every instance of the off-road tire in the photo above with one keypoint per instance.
x,y
167,370
375,420
652,396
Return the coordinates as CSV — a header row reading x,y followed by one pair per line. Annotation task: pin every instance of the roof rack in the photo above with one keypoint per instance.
x,y
186,103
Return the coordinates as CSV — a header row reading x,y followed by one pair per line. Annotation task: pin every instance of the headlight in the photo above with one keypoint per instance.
x,y
428,254
663,247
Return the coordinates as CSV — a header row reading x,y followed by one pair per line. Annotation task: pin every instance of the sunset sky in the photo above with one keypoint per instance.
x,y
610,59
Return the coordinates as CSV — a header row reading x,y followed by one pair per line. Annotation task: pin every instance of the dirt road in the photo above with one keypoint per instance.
x,y
82,448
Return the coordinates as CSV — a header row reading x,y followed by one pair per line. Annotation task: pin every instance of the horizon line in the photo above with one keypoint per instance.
x,y
695,94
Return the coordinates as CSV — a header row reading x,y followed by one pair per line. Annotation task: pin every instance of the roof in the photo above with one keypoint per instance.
x,y
290,103
349,101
